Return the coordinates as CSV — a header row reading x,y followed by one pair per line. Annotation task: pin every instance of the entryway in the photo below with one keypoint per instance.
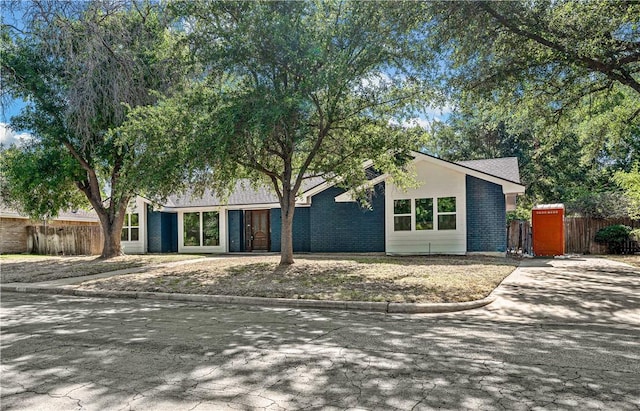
x,y
257,230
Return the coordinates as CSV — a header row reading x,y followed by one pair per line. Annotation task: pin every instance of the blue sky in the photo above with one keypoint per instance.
x,y
9,108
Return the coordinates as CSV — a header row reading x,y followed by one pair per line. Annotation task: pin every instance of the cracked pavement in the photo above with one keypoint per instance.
x,y
563,334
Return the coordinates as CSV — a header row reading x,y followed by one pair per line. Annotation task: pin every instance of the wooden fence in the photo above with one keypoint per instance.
x,y
579,234
65,240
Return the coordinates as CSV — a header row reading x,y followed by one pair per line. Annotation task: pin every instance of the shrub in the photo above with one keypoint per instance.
x,y
614,237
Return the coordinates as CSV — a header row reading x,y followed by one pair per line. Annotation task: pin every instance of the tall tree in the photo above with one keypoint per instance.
x,y
576,64
296,90
81,66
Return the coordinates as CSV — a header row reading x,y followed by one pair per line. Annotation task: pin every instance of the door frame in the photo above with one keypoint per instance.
x,y
248,229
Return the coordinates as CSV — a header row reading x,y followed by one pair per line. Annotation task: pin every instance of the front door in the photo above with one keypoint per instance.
x,y
257,230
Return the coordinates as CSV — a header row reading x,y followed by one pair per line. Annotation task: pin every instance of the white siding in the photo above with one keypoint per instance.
x,y
221,248
140,246
435,181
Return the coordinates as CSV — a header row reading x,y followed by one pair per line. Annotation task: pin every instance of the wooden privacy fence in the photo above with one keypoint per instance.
x,y
579,234
64,240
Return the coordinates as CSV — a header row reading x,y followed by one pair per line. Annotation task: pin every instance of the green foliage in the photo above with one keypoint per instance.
x,y
614,237
566,67
29,185
630,183
292,91
81,66
611,204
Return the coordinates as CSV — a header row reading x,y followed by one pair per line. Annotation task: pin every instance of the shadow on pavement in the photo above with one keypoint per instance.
x,y
66,352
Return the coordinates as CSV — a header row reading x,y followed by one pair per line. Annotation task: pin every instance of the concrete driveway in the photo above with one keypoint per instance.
x,y
564,334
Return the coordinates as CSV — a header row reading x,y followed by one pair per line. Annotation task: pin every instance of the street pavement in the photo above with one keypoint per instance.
x,y
563,334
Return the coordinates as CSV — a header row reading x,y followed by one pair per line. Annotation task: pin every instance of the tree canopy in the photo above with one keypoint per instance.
x,y
80,67
557,81
296,90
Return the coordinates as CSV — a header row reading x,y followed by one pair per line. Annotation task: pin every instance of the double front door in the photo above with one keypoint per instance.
x,y
256,230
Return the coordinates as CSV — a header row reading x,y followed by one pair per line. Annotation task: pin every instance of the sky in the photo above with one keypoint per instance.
x,y
9,108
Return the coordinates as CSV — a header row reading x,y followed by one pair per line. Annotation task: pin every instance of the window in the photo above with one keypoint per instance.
x,y
191,226
402,215
446,213
130,228
210,230
424,213
201,228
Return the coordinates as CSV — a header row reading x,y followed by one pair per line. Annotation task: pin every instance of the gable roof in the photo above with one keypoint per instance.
x,y
505,168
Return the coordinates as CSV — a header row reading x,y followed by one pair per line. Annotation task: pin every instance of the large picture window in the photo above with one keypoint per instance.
x,y
402,215
201,229
130,227
446,213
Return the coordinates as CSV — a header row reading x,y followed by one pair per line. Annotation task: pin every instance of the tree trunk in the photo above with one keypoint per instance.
x,y
111,223
286,239
112,246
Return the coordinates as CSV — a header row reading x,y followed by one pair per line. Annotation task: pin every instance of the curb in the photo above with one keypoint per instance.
x,y
383,307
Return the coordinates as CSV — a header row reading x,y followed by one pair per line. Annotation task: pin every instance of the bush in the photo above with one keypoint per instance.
x,y
614,237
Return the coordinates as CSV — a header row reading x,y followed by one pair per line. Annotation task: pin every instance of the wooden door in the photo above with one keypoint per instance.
x,y
257,233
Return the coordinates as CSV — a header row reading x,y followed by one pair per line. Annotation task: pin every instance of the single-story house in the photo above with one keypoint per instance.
x,y
457,208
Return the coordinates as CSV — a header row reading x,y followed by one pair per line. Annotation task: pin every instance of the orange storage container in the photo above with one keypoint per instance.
x,y
548,229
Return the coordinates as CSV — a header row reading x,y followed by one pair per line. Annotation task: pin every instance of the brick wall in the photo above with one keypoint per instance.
x,y
346,227
486,216
300,229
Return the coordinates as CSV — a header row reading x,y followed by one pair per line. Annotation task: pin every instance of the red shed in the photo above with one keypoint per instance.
x,y
548,229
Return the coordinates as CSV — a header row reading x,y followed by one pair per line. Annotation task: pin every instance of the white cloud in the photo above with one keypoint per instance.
x,y
8,137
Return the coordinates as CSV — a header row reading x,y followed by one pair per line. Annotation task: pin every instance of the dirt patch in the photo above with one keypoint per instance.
x,y
29,268
396,279
633,260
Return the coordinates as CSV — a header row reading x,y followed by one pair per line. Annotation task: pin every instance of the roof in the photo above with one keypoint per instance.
x,y
77,215
243,194
505,168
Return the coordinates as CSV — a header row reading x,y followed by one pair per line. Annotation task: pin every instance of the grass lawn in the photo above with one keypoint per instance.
x,y
350,278
25,268
629,259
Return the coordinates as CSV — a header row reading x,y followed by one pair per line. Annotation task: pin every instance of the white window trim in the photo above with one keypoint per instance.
x,y
222,232
127,225
436,223
411,215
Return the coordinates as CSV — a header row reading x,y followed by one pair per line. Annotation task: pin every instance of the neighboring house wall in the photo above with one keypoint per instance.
x,y
435,182
346,227
486,216
13,232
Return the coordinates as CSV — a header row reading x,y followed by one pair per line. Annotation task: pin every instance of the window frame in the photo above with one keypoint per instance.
x,y
127,225
403,215
447,213
201,235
